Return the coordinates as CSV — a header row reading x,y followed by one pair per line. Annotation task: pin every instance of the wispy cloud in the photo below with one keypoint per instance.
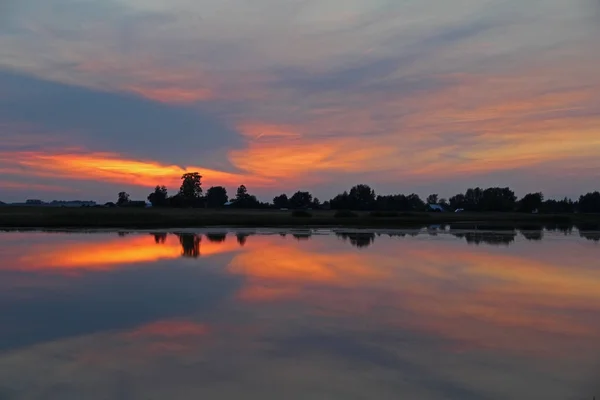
x,y
278,94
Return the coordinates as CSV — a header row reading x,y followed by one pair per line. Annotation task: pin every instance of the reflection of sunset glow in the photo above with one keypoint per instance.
x,y
468,295
208,248
111,253
276,271
290,264
102,255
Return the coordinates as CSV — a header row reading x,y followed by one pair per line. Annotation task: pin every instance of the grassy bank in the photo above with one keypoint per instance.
x,y
43,217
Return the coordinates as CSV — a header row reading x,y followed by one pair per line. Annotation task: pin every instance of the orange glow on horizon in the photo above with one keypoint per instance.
x,y
111,167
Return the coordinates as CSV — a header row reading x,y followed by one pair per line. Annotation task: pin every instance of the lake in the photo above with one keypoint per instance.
x,y
306,314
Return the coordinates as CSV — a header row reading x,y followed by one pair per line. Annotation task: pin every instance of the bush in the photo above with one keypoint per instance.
x,y
134,204
384,214
345,214
301,214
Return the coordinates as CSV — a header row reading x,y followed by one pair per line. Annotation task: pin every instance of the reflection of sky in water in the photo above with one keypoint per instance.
x,y
298,316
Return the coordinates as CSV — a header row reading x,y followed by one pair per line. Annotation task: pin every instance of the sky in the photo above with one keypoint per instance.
x,y
425,96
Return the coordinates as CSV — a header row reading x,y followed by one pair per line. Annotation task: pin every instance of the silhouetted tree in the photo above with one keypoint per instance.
x,y
565,205
301,200
491,199
498,199
340,202
159,197
281,201
362,197
191,185
589,203
400,202
531,202
123,198
432,199
216,196
415,203
316,203
458,201
245,200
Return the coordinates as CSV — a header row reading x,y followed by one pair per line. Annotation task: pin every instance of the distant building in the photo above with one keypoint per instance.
x,y
435,208
72,203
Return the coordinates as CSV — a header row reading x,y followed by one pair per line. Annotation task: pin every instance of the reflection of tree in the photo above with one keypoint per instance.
x,y
302,236
404,234
123,234
358,239
190,245
241,238
159,238
590,231
283,234
493,238
595,236
216,237
533,234
566,229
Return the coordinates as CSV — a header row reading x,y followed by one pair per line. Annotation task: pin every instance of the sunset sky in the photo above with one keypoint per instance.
x,y
100,96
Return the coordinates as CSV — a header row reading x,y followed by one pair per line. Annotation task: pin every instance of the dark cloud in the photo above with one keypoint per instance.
x,y
113,122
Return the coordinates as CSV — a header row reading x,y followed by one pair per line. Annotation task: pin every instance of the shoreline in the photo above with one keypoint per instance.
x,y
37,218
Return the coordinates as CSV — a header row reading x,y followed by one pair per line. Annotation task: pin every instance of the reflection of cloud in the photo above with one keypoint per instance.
x,y
417,317
109,253
470,296
103,255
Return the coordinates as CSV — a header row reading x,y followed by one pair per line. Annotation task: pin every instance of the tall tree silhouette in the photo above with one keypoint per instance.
x,y
123,198
159,198
191,185
216,196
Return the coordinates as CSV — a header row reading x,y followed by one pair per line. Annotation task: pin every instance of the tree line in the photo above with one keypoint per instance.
x,y
363,198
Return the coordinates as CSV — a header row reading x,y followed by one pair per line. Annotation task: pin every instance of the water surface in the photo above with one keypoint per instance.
x,y
300,315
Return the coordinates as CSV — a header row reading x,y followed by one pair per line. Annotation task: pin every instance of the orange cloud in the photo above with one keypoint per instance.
x,y
169,329
285,158
111,167
171,94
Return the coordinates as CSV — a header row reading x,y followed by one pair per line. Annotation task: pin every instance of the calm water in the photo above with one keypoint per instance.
x,y
231,315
